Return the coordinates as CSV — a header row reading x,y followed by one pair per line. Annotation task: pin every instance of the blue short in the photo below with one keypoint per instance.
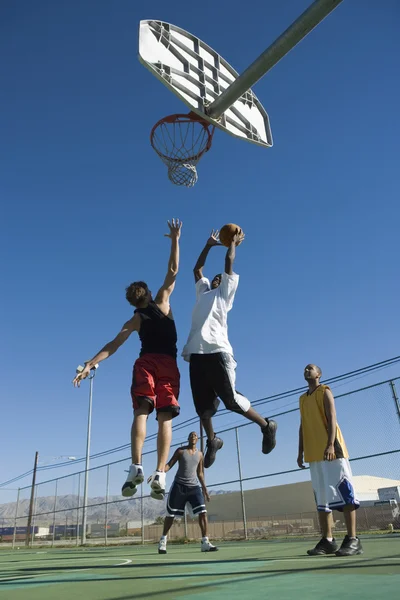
x,y
179,494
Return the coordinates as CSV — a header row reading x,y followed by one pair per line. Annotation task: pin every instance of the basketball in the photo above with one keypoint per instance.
x,y
227,232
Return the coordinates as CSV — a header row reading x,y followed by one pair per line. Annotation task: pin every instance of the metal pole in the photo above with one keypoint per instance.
x,y
201,437
241,486
309,19
395,398
106,515
15,519
185,522
77,509
28,529
33,518
54,514
142,512
85,489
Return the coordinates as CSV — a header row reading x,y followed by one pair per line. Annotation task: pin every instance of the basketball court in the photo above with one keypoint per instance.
x,y
238,570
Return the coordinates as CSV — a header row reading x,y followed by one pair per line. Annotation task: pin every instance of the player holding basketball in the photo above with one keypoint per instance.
x,y
189,486
322,445
155,380
212,366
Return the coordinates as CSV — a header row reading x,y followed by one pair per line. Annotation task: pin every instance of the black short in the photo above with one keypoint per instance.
x,y
179,494
212,376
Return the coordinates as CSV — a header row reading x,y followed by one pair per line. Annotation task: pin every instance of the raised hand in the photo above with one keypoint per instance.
x,y
213,240
238,237
175,226
80,376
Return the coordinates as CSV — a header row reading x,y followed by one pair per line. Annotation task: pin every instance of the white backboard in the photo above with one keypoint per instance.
x,y
198,75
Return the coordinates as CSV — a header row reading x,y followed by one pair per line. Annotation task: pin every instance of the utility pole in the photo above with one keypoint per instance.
x,y
28,532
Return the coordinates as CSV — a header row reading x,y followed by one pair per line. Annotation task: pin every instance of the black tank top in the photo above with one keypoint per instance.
x,y
157,332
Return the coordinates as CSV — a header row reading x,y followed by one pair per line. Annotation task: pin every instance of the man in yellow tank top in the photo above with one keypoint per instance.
x,y
322,445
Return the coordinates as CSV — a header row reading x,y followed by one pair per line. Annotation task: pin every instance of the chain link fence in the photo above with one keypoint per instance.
x,y
264,497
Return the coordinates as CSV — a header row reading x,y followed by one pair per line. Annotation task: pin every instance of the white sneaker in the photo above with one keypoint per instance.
x,y
135,478
162,546
157,485
206,546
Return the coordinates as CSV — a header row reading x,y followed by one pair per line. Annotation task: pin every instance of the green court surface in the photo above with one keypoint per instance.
x,y
254,569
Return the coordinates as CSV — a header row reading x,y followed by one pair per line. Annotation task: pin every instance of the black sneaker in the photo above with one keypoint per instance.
x,y
350,547
269,436
212,449
323,547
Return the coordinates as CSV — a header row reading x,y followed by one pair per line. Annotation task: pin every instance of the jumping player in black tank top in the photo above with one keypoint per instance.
x,y
155,381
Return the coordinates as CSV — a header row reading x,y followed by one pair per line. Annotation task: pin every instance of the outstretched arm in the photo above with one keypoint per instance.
x,y
132,325
213,240
174,460
231,253
167,287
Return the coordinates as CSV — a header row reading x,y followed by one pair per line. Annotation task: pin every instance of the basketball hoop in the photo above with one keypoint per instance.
x,y
180,141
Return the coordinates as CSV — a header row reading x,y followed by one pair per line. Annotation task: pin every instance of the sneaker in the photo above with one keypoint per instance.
x,y
157,485
269,436
350,547
206,546
323,547
135,478
162,546
212,448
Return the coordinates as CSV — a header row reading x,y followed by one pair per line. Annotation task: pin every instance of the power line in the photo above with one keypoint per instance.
x,y
261,401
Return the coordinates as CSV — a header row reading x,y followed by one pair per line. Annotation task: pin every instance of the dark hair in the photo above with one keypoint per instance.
x,y
136,292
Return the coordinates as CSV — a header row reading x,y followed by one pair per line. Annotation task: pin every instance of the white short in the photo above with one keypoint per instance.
x,y
332,484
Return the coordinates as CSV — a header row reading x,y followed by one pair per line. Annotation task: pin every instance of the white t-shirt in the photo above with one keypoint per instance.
x,y
209,332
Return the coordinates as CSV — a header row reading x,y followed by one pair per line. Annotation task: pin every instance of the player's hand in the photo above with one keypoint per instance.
x,y
81,376
213,240
238,237
329,453
175,226
206,495
300,461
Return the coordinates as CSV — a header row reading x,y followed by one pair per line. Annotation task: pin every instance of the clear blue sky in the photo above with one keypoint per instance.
x,y
85,204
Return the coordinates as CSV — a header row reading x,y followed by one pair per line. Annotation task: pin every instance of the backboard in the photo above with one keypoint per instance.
x,y
198,75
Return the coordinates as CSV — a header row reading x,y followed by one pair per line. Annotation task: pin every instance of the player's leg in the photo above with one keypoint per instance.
x,y
143,398
326,524
162,544
327,543
175,508
196,501
205,401
341,473
167,394
349,513
138,433
224,380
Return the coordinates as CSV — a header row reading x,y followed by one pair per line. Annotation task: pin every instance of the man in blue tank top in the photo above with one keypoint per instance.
x,y
155,381
189,486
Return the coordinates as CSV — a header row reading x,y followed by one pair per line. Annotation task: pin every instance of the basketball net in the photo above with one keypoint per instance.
x,y
181,141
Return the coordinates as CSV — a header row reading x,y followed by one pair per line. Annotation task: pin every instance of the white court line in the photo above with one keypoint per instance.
x,y
127,561
78,558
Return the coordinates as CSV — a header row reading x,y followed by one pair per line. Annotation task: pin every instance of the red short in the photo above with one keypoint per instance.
x,y
156,380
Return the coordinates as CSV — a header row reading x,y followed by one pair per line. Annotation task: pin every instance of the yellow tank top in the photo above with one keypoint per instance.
x,y
314,426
